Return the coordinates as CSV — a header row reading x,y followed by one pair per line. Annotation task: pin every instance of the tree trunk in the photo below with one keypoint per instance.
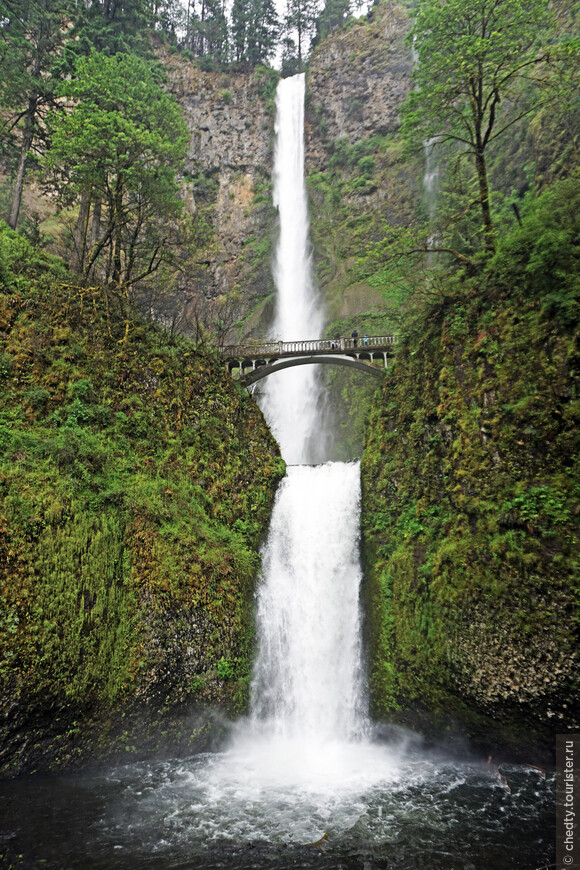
x,y
488,230
118,231
27,138
95,233
80,245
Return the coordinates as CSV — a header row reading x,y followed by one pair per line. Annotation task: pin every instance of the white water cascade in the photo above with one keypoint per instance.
x,y
290,398
307,680
308,726
308,676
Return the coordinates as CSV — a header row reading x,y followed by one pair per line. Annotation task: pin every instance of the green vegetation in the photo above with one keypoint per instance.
x,y
497,47
471,492
115,154
136,481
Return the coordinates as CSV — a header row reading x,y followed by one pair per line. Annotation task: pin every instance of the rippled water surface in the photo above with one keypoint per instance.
x,y
382,807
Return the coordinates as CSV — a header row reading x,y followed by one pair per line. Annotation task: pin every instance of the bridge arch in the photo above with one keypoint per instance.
x,y
269,368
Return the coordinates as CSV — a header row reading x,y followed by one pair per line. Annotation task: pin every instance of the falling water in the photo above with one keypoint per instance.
x,y
290,399
308,674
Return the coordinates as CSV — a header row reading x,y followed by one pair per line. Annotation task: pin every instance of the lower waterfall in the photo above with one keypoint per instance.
x,y
308,673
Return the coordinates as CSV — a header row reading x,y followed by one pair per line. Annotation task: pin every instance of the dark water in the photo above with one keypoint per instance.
x,y
220,811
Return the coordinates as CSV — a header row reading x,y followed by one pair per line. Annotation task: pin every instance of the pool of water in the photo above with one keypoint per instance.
x,y
381,805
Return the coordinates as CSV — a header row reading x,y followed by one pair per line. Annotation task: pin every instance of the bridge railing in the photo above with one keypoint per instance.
x,y
290,348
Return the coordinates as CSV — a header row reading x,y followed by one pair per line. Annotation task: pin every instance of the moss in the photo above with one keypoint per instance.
x,y
136,481
471,497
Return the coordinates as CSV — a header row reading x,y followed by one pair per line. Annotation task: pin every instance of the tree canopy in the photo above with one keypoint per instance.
x,y
471,56
115,151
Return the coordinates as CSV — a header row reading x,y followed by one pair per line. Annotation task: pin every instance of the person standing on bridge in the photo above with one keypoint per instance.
x,y
354,336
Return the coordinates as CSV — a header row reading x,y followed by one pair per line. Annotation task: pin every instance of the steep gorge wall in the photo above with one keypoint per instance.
x,y
471,500
136,483
230,117
358,79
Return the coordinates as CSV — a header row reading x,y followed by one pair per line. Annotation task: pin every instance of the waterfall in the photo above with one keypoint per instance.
x,y
290,399
307,679
308,673
306,738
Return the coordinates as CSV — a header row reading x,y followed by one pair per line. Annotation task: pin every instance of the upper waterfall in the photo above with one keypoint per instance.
x,y
291,403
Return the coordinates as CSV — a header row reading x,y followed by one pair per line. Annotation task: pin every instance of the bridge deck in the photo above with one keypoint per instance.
x,y
279,349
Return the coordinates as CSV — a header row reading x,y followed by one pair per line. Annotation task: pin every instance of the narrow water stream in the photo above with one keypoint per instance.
x,y
306,762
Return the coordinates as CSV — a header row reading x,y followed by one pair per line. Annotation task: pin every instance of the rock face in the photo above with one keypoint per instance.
x,y
227,172
357,82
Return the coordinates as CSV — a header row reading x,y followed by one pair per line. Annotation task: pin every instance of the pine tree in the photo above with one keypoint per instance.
x,y
110,27
208,32
240,30
334,15
34,32
264,30
255,31
299,26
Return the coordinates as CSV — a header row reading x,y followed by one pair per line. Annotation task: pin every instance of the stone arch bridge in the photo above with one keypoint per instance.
x,y
257,360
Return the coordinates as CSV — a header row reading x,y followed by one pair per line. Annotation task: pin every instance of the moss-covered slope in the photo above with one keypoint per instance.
x,y
136,480
471,497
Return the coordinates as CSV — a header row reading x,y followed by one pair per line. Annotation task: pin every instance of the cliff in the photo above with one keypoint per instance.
x,y
136,481
358,80
471,501
230,117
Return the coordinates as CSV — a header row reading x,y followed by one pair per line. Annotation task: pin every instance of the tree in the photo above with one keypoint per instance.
x,y
111,27
471,55
255,31
33,33
207,31
114,152
333,17
299,25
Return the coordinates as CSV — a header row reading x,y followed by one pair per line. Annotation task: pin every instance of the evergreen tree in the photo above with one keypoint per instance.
x,y
208,32
255,31
299,26
168,17
33,33
334,16
110,27
240,30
